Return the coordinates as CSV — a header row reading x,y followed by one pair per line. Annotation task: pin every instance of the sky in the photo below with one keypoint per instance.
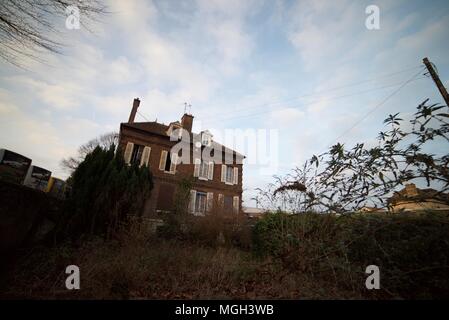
x,y
308,72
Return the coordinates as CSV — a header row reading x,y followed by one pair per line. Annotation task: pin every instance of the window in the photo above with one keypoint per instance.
x,y
229,173
168,162
200,202
206,138
228,203
204,168
235,204
136,155
231,204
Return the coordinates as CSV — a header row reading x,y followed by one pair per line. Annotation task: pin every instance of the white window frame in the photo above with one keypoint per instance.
x,y
204,171
209,201
231,180
163,162
192,201
128,152
145,159
206,139
200,196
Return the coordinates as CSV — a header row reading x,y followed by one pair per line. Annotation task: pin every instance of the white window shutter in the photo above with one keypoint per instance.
x,y
235,204
196,169
174,160
163,160
223,173
145,156
210,174
236,175
192,201
210,201
128,152
221,200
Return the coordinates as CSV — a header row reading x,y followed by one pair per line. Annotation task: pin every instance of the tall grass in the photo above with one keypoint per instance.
x,y
307,256
411,250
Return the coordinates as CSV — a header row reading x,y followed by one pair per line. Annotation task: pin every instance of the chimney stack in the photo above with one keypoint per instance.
x,y
132,115
187,122
411,190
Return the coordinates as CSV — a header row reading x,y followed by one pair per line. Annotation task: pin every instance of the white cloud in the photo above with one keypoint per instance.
x,y
218,56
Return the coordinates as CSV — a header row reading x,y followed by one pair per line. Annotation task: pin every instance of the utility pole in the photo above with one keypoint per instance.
x,y
437,80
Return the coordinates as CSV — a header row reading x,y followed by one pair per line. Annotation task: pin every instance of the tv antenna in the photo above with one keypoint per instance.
x,y
187,107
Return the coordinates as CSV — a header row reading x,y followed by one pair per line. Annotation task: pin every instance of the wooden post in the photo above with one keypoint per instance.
x,y
437,80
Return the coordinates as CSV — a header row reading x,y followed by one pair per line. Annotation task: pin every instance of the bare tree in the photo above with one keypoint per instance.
x,y
28,27
105,141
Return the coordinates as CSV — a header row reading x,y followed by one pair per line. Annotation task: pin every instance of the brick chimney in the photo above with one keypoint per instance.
x,y
410,190
187,122
132,115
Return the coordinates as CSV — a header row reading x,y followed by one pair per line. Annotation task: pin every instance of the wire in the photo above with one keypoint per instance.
x,y
376,107
145,118
233,117
318,92
306,104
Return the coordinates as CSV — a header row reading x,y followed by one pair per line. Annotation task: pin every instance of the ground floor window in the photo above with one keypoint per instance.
x,y
228,203
200,202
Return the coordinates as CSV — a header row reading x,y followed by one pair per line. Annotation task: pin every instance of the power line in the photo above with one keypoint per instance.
x,y
145,118
312,94
319,92
306,104
376,107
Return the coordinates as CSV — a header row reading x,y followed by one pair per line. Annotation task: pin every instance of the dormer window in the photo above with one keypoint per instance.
x,y
172,129
206,138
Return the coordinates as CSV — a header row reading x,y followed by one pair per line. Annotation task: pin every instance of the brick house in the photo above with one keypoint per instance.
x,y
215,170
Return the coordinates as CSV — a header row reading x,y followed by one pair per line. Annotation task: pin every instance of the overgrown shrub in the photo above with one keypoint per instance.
x,y
212,230
104,193
411,250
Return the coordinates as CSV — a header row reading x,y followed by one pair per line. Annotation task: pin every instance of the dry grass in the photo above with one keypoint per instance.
x,y
137,266
305,257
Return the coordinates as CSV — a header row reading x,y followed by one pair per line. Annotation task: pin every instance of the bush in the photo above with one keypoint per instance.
x,y
212,230
411,250
104,193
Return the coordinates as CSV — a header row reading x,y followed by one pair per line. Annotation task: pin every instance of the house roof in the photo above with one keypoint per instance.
x,y
153,127
161,129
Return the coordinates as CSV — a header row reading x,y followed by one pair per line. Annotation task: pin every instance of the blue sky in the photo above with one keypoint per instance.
x,y
309,69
